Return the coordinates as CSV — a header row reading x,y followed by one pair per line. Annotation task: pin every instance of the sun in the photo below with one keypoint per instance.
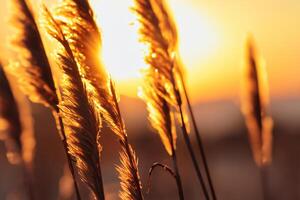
x,y
121,50
122,53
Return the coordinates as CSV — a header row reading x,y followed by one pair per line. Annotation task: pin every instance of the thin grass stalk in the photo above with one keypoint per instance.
x,y
167,169
175,163
186,136
192,154
164,167
176,170
198,139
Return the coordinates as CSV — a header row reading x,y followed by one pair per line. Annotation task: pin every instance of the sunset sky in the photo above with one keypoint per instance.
x,y
212,41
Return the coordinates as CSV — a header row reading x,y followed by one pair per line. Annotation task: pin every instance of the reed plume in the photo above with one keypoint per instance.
x,y
32,68
127,170
158,90
81,120
169,31
16,131
255,108
164,75
78,24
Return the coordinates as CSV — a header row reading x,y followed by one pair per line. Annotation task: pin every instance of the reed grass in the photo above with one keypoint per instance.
x,y
77,22
161,78
32,69
255,108
128,171
169,31
81,120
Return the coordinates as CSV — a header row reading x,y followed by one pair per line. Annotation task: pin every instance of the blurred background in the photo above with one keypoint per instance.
x,y
212,46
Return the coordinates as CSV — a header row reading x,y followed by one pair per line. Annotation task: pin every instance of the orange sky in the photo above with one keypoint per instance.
x,y
212,41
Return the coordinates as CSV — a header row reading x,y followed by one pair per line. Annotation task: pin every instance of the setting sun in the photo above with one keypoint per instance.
x,y
123,54
120,49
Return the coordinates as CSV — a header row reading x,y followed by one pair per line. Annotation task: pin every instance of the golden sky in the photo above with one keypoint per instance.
x,y
212,41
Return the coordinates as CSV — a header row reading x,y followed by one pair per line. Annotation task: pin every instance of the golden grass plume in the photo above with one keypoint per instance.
x,y
81,120
255,108
131,187
31,66
127,170
78,24
161,88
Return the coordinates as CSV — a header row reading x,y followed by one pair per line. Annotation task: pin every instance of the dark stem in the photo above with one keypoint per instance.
x,y
60,128
164,167
100,183
199,140
178,178
264,183
186,136
192,154
175,165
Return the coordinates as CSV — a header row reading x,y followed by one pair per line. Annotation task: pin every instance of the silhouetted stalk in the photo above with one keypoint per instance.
x,y
60,128
187,139
199,140
192,154
171,172
100,184
176,170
